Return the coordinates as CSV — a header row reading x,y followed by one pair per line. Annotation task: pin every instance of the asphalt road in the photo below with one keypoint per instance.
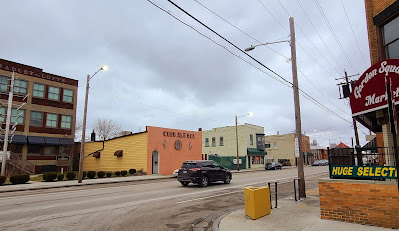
x,y
153,205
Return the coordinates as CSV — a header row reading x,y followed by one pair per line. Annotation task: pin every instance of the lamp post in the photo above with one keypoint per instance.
x,y
82,146
238,158
298,130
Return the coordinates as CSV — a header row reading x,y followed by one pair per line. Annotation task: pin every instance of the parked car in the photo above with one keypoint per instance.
x,y
202,172
273,165
323,162
316,163
175,173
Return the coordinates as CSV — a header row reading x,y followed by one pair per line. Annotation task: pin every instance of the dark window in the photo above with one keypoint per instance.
x,y
36,118
391,38
118,153
50,150
189,165
33,149
221,141
206,142
251,139
213,142
267,145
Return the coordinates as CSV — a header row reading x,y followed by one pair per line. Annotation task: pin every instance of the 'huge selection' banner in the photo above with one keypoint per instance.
x,y
372,172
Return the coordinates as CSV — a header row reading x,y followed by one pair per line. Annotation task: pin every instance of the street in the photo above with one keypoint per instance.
x,y
152,205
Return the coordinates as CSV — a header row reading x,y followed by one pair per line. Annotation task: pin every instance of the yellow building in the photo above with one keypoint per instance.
x,y
122,153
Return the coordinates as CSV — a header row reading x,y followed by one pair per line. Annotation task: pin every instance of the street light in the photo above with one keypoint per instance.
x,y
82,146
298,130
238,158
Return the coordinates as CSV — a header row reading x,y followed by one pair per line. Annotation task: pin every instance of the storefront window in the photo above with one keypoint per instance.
x,y
34,149
258,159
50,150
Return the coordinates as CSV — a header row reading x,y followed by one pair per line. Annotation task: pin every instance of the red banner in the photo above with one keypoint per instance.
x,y
369,92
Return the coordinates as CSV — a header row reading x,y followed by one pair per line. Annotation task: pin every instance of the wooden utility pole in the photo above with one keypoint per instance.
x,y
238,157
298,133
357,147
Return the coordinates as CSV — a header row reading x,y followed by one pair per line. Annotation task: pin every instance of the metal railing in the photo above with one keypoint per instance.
x,y
378,156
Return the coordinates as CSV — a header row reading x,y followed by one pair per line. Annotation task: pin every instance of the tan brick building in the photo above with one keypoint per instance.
x,y
45,130
220,144
281,148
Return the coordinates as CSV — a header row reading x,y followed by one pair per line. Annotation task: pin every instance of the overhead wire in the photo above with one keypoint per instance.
x,y
350,24
281,79
285,9
334,35
303,48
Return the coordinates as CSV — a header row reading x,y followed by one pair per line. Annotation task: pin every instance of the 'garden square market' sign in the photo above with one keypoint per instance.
x,y
369,92
372,172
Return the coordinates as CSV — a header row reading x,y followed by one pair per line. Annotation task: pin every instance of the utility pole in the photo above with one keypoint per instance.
x,y
298,131
357,147
238,157
8,120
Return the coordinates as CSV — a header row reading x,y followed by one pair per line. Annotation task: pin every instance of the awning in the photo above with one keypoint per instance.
x,y
52,141
19,139
36,140
16,139
67,141
255,152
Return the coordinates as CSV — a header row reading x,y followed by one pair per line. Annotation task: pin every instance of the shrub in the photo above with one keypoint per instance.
x,y
91,174
49,176
19,178
84,174
101,174
109,174
71,175
124,173
2,180
60,177
132,171
117,173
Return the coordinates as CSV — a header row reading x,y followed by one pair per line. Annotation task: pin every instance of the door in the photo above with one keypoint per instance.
x,y
155,164
219,173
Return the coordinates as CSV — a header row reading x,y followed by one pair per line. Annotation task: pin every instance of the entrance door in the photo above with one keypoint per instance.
x,y
155,165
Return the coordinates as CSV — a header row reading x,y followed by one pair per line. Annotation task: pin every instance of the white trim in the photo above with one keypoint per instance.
x,y
370,110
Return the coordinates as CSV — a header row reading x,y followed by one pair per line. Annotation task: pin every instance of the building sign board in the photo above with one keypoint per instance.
x,y
372,172
296,147
179,134
235,161
62,161
369,91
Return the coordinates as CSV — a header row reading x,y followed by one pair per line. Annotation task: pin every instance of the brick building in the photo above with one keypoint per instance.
x,y
46,126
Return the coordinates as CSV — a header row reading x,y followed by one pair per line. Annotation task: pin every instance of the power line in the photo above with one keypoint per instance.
x,y
280,79
308,38
358,47
319,34
334,35
303,48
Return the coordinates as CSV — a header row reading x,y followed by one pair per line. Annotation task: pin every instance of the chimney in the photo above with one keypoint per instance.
x,y
200,129
93,136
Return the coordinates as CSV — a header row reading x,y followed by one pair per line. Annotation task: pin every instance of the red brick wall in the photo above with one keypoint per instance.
x,y
362,202
373,8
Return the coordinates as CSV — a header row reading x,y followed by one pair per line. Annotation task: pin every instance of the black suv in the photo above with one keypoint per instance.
x,y
202,172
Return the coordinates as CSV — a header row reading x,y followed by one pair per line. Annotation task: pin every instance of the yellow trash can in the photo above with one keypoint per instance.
x,y
257,201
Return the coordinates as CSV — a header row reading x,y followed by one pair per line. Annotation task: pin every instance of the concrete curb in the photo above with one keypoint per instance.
x,y
215,225
78,185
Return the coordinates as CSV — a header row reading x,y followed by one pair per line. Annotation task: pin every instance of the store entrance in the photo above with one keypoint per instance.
x,y
155,164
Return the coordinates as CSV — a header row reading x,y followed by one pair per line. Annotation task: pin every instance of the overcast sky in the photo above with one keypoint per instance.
x,y
163,73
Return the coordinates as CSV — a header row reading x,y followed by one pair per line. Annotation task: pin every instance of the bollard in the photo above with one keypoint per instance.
x,y
275,193
299,188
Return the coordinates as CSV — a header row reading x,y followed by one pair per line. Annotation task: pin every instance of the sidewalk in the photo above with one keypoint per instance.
x,y
290,215
36,185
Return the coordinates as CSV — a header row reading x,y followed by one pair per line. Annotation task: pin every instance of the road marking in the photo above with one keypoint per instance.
x,y
201,198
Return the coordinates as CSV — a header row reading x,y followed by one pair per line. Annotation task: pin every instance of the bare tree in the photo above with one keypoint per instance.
x,y
106,129
78,130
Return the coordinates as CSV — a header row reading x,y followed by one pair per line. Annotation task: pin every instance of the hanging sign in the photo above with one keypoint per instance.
x,y
369,91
